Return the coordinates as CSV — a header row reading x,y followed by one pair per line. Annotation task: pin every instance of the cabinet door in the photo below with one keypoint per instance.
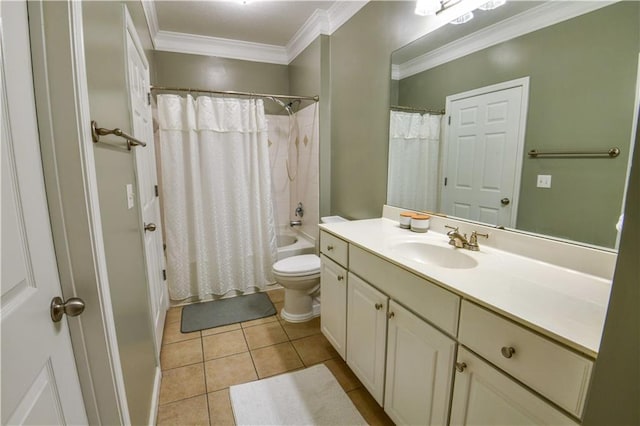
x,y
419,370
482,395
366,334
333,309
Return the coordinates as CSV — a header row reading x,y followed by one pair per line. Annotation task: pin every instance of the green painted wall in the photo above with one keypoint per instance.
x,y
210,72
104,24
615,389
309,75
583,75
360,86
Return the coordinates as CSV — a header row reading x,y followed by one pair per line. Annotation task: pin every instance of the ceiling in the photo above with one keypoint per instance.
x,y
273,31
268,22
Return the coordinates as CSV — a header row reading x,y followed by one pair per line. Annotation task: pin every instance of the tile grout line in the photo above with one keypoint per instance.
x,y
255,369
204,371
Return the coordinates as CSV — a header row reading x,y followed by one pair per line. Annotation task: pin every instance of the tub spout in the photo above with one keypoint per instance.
x,y
295,223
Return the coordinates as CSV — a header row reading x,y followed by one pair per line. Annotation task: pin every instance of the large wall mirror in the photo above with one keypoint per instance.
x,y
557,78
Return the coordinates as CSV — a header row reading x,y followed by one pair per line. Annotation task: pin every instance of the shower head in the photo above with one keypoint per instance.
x,y
287,107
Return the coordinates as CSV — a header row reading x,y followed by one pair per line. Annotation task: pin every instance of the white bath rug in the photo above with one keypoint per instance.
x,y
311,396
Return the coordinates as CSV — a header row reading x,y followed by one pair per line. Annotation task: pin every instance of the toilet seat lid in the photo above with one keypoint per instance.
x,y
304,264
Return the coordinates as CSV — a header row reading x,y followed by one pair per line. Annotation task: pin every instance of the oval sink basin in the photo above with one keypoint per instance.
x,y
429,254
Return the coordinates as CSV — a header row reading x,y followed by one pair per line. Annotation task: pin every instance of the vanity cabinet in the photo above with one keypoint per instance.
x,y
483,395
333,289
419,373
554,371
419,359
367,334
401,333
333,308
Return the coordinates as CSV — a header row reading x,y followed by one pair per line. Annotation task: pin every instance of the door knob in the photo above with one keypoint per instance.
x,y
505,201
72,307
150,227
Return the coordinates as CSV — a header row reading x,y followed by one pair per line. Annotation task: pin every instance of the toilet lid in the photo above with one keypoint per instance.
x,y
304,264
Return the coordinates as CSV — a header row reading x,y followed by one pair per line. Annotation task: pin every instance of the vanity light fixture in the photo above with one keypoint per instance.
x,y
463,19
433,7
427,7
492,4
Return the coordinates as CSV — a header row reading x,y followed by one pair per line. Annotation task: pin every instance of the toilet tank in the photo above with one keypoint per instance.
x,y
333,219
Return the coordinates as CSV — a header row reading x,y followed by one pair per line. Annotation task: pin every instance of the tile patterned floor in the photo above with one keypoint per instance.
x,y
199,367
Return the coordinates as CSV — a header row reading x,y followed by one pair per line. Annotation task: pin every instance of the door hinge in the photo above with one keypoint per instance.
x,y
155,189
449,120
164,274
445,181
148,98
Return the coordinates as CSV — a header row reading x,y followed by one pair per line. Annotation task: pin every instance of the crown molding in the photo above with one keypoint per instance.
x,y
149,9
169,41
322,22
341,11
319,23
395,72
534,19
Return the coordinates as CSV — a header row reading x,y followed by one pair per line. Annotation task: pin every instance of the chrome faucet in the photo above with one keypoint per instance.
x,y
295,223
460,240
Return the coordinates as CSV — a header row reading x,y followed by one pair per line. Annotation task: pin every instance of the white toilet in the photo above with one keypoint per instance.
x,y
300,277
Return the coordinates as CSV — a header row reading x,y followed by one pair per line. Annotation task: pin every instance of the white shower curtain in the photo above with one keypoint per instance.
x,y
218,212
414,146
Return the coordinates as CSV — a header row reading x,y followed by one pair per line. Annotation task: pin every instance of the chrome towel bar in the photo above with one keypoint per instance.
x,y
96,132
611,153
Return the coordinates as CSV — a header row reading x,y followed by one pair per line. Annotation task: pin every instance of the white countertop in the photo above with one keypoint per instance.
x,y
563,304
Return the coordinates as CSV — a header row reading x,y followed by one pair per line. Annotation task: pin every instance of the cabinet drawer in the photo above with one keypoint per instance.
x,y
483,395
556,372
433,303
335,248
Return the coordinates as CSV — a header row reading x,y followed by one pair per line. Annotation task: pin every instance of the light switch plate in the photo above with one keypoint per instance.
x,y
544,181
130,196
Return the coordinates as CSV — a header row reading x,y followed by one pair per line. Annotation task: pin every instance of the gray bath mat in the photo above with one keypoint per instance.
x,y
201,316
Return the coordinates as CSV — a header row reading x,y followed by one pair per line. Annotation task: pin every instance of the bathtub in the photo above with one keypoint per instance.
x,y
291,243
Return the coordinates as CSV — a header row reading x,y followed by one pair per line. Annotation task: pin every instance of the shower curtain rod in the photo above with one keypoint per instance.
x,y
429,111
315,98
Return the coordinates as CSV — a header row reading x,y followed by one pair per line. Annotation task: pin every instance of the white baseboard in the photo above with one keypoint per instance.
x,y
155,398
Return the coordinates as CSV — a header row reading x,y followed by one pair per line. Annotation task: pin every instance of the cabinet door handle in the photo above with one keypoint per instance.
x,y
378,306
340,277
329,247
391,315
507,351
461,366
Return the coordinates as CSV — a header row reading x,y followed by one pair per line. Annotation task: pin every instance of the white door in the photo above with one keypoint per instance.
x,y
39,378
484,145
333,309
483,395
419,370
367,335
147,181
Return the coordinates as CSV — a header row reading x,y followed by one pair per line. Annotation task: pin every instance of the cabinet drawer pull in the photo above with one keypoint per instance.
x,y
461,366
378,306
391,315
329,247
340,277
507,351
